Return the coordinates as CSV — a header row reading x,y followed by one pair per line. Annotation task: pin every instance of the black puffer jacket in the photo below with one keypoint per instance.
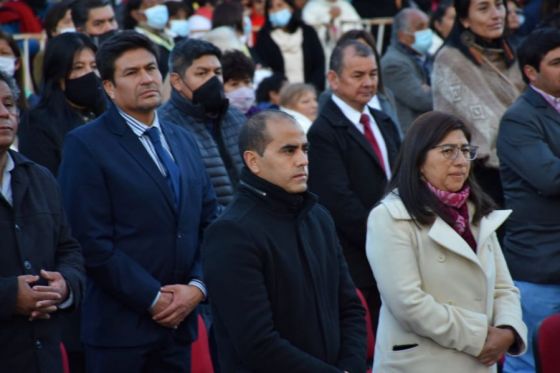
x,y
217,141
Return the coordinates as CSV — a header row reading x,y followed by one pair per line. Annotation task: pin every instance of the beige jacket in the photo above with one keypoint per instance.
x,y
437,292
479,95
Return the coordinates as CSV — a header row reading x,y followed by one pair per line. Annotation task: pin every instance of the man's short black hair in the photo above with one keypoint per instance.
x,y
188,50
81,8
336,62
116,46
237,66
537,44
254,135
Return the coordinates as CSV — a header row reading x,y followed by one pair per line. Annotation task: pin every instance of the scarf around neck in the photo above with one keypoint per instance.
x,y
456,207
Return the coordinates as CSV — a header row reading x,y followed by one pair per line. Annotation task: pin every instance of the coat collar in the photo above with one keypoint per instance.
x,y
275,197
186,106
536,100
129,141
444,234
332,114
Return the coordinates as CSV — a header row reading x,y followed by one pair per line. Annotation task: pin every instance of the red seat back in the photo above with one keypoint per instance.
x,y
546,344
369,327
201,362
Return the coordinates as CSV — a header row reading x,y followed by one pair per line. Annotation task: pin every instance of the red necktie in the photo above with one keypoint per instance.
x,y
368,133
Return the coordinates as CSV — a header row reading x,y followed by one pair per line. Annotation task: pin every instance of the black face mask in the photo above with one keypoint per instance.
x,y
211,97
85,91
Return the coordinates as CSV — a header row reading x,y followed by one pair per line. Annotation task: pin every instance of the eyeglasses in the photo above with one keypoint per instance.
x,y
451,151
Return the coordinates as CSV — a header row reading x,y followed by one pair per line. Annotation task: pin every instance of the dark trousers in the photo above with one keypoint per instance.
x,y
169,356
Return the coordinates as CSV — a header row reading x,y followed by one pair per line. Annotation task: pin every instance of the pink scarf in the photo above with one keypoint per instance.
x,y
456,206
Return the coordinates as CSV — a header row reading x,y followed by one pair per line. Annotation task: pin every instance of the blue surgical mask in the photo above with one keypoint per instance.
x,y
179,27
157,16
280,18
422,41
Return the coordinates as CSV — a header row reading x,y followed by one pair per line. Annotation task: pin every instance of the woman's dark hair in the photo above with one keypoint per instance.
x,y
54,14
128,21
228,14
427,131
237,66
370,40
272,83
174,7
57,66
295,21
438,14
459,37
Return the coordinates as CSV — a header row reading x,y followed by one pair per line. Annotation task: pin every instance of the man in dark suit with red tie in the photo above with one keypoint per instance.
x,y
352,150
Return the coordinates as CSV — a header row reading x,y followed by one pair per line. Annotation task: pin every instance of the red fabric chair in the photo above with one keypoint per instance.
x,y
201,362
546,345
370,336
65,363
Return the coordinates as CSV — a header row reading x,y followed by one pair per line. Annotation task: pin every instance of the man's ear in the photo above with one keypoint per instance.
x,y
109,88
175,81
530,72
332,78
251,160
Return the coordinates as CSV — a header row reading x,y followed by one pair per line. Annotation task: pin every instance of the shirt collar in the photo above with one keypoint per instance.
x,y
138,127
349,112
553,101
5,187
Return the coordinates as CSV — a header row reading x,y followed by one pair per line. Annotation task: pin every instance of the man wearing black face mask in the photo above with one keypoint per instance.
x,y
198,103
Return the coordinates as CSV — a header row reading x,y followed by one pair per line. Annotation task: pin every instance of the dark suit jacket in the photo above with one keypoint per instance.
x,y
134,239
34,235
529,150
346,175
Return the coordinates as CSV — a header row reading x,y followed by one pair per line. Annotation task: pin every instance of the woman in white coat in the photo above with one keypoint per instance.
x,y
449,303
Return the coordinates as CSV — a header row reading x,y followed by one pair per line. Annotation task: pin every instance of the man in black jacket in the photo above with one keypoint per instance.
x,y
282,297
352,151
198,103
41,266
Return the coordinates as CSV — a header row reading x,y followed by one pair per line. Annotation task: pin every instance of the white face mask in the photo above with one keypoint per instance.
x,y
66,29
8,65
180,27
157,16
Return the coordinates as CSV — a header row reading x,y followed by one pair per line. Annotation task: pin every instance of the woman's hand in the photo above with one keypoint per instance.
x,y
498,341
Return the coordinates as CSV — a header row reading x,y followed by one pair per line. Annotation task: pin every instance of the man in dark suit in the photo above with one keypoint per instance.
x,y
41,267
282,297
529,151
138,198
352,148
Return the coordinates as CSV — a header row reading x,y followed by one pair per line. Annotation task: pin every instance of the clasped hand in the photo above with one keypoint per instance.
x,y
498,341
175,303
37,301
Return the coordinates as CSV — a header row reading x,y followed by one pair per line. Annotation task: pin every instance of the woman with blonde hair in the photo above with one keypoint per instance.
x,y
300,101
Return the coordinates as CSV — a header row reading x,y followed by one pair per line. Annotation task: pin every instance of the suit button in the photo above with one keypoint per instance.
x,y
441,258
27,265
38,344
179,235
17,227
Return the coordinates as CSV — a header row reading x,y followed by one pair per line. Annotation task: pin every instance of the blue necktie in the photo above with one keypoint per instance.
x,y
173,175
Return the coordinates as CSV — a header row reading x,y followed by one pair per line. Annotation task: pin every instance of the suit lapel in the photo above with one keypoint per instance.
x,y
180,160
446,236
535,99
388,131
130,142
353,132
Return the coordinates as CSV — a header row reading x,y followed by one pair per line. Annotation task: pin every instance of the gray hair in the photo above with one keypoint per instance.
x,y
401,23
336,62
